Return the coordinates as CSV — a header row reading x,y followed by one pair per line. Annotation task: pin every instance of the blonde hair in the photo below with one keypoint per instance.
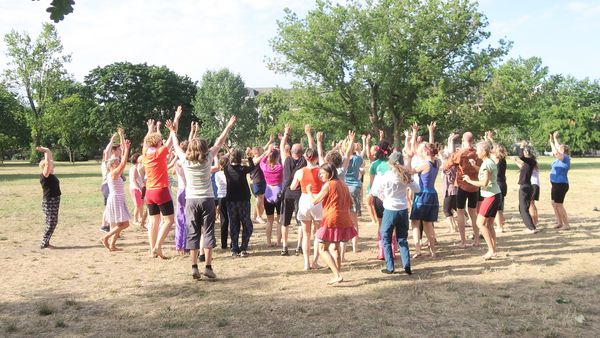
x,y
197,150
401,172
42,164
153,139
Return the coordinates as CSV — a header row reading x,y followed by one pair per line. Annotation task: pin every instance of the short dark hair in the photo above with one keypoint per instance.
x,y
331,170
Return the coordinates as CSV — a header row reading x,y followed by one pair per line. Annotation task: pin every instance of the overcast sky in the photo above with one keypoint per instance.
x,y
192,36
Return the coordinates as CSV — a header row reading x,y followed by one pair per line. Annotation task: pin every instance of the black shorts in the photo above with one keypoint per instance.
x,y
290,207
462,197
378,207
449,205
271,207
165,209
489,206
535,195
558,192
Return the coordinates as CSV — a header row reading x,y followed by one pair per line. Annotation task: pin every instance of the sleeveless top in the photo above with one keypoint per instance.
x,y
311,176
336,206
427,180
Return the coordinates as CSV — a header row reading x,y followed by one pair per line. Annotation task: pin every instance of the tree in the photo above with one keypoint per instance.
x,y
128,94
36,69
384,58
220,95
69,119
13,127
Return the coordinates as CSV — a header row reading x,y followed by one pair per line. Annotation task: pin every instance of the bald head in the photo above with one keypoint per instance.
x,y
467,138
297,150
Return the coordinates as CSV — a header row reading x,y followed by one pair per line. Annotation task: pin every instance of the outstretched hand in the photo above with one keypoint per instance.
x,y
127,144
351,135
415,126
41,149
320,136
169,125
178,112
307,129
431,126
287,128
232,120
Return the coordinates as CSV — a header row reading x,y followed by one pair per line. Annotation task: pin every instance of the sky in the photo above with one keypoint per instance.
x,y
193,36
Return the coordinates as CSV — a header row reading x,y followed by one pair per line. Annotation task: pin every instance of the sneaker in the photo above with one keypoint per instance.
x,y
244,254
531,231
298,251
202,258
284,252
234,254
196,274
408,271
386,271
209,273
105,229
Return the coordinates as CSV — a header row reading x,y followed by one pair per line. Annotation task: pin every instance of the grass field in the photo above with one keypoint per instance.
x,y
543,285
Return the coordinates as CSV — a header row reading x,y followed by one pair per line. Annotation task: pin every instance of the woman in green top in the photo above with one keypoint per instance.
x,y
492,196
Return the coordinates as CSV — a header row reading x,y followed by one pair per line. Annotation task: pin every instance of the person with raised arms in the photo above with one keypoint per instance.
x,y
199,205
491,193
559,180
292,161
158,195
116,210
461,159
526,162
50,195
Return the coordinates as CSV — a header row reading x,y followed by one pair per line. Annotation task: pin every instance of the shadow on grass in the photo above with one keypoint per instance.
x,y
17,177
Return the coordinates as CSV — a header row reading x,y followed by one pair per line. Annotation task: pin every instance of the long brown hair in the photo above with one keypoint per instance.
x,y
197,150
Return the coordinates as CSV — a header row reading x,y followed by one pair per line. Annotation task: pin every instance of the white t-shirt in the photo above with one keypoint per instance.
x,y
392,191
197,178
221,183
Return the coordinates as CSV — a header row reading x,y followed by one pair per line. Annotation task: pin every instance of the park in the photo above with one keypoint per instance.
x,y
373,67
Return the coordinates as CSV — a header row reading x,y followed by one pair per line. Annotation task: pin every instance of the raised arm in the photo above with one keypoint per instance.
x,y
173,137
381,135
178,114
308,132
431,128
480,183
151,127
286,135
320,150
106,152
265,151
220,141
349,149
557,150
118,170
413,138
48,158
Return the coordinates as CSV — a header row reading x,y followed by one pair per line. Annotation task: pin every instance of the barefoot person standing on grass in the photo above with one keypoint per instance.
x,y
116,210
337,224
50,197
491,193
526,162
200,209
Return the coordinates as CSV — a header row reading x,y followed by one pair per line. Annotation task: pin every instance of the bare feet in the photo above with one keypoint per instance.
x,y
417,255
315,266
335,280
104,241
489,255
114,248
158,253
564,228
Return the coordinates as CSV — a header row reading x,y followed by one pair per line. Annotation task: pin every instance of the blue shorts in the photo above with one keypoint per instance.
x,y
259,188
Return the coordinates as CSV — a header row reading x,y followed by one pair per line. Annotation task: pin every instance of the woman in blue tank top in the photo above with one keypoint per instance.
x,y
425,204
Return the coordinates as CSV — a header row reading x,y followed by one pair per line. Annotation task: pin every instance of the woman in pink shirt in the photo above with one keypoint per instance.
x,y
273,172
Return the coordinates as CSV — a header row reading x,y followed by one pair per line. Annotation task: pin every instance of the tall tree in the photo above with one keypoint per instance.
x,y
383,58
128,94
36,70
220,95
14,134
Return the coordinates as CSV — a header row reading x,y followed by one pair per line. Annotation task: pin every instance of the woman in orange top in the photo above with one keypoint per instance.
x,y
337,223
308,213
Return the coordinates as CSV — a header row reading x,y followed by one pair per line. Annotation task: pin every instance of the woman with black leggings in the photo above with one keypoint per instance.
x,y
526,162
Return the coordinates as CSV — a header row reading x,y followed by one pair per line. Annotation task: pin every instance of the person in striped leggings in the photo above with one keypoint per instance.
x,y
51,195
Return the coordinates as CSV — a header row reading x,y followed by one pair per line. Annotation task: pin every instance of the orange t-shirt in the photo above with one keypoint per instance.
x,y
310,176
461,160
155,163
336,206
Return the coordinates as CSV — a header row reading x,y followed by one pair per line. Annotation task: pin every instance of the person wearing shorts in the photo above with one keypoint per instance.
x,y
273,173
309,214
258,184
466,161
535,194
492,196
354,184
559,181
200,210
137,189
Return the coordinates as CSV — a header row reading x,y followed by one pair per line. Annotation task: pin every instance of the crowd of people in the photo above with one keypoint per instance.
x,y
320,191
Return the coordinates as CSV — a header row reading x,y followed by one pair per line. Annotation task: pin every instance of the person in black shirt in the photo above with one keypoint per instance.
x,y
238,202
51,195
292,161
526,162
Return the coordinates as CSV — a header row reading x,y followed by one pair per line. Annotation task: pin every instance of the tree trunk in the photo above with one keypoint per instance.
x,y
397,129
71,157
374,108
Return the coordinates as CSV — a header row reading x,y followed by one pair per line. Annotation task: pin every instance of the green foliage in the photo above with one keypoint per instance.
x,y
126,95
220,95
14,134
36,71
388,59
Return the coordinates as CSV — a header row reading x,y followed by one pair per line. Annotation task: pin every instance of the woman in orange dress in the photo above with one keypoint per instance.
x,y
336,225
